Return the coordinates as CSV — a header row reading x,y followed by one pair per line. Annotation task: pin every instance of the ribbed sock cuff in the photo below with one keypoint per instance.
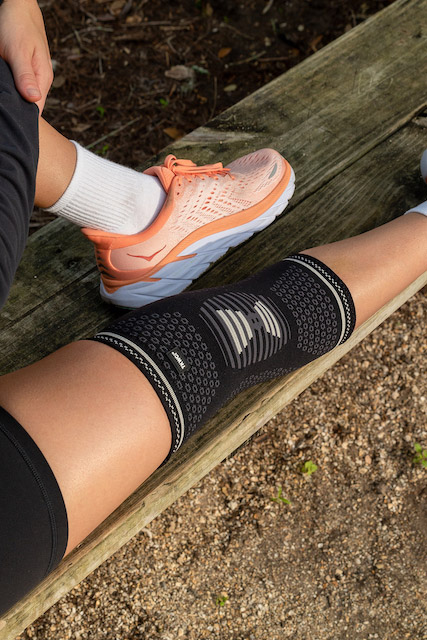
x,y
107,196
101,194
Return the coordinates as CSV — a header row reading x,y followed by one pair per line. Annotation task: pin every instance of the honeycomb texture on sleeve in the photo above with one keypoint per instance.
x,y
199,349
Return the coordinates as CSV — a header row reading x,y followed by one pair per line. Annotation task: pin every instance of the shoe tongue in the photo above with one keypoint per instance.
x,y
164,174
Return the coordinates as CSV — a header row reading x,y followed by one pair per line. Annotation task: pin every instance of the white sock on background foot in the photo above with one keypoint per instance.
x,y
423,165
107,196
421,208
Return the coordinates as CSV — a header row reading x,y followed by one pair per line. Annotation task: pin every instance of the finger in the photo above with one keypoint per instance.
x,y
26,81
40,104
43,71
44,76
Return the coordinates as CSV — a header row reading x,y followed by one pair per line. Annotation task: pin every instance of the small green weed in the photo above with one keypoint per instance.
x,y
221,600
101,111
201,70
420,456
280,498
103,150
164,102
308,468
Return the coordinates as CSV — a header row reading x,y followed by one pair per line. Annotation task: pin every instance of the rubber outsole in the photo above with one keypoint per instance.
x,y
177,276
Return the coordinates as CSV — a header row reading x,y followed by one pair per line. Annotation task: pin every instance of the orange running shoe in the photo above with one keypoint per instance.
x,y
207,210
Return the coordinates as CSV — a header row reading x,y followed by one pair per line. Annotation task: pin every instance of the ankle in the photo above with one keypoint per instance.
x,y
107,196
56,167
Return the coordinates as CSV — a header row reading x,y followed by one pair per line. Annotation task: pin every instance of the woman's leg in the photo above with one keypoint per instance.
x,y
98,420
86,425
101,425
57,163
377,265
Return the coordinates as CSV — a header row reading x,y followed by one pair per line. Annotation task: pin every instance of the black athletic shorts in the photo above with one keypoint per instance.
x,y
33,519
19,149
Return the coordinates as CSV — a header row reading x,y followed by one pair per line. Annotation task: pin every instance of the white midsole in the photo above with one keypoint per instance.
x,y
177,276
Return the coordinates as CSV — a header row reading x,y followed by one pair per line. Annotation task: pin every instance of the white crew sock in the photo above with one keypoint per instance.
x,y
423,165
421,208
107,196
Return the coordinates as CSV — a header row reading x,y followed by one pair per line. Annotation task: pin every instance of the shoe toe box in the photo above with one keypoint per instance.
x,y
259,172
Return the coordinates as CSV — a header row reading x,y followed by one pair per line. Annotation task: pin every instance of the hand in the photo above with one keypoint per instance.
x,y
24,46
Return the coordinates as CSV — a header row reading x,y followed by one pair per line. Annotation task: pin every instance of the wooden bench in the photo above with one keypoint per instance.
x,y
350,120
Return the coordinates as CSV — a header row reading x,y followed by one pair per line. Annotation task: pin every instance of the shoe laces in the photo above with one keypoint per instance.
x,y
186,169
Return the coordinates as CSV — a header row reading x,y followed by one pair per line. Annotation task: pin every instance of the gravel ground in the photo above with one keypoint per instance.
x,y
345,560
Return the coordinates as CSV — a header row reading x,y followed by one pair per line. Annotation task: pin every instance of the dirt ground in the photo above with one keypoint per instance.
x,y
117,88
346,559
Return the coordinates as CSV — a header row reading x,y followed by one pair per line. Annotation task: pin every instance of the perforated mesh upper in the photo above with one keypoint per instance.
x,y
202,199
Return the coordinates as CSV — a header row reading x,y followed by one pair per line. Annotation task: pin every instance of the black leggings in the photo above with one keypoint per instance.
x,y
33,520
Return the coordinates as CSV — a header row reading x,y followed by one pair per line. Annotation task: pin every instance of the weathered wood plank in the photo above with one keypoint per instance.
x,y
217,439
56,257
372,191
322,115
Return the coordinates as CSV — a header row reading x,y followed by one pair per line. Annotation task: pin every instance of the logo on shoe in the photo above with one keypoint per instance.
x,y
148,258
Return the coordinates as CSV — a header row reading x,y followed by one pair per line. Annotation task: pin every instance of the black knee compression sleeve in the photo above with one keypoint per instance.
x,y
33,520
199,349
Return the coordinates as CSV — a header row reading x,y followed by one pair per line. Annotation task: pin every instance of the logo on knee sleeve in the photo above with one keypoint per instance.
x,y
178,360
248,328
